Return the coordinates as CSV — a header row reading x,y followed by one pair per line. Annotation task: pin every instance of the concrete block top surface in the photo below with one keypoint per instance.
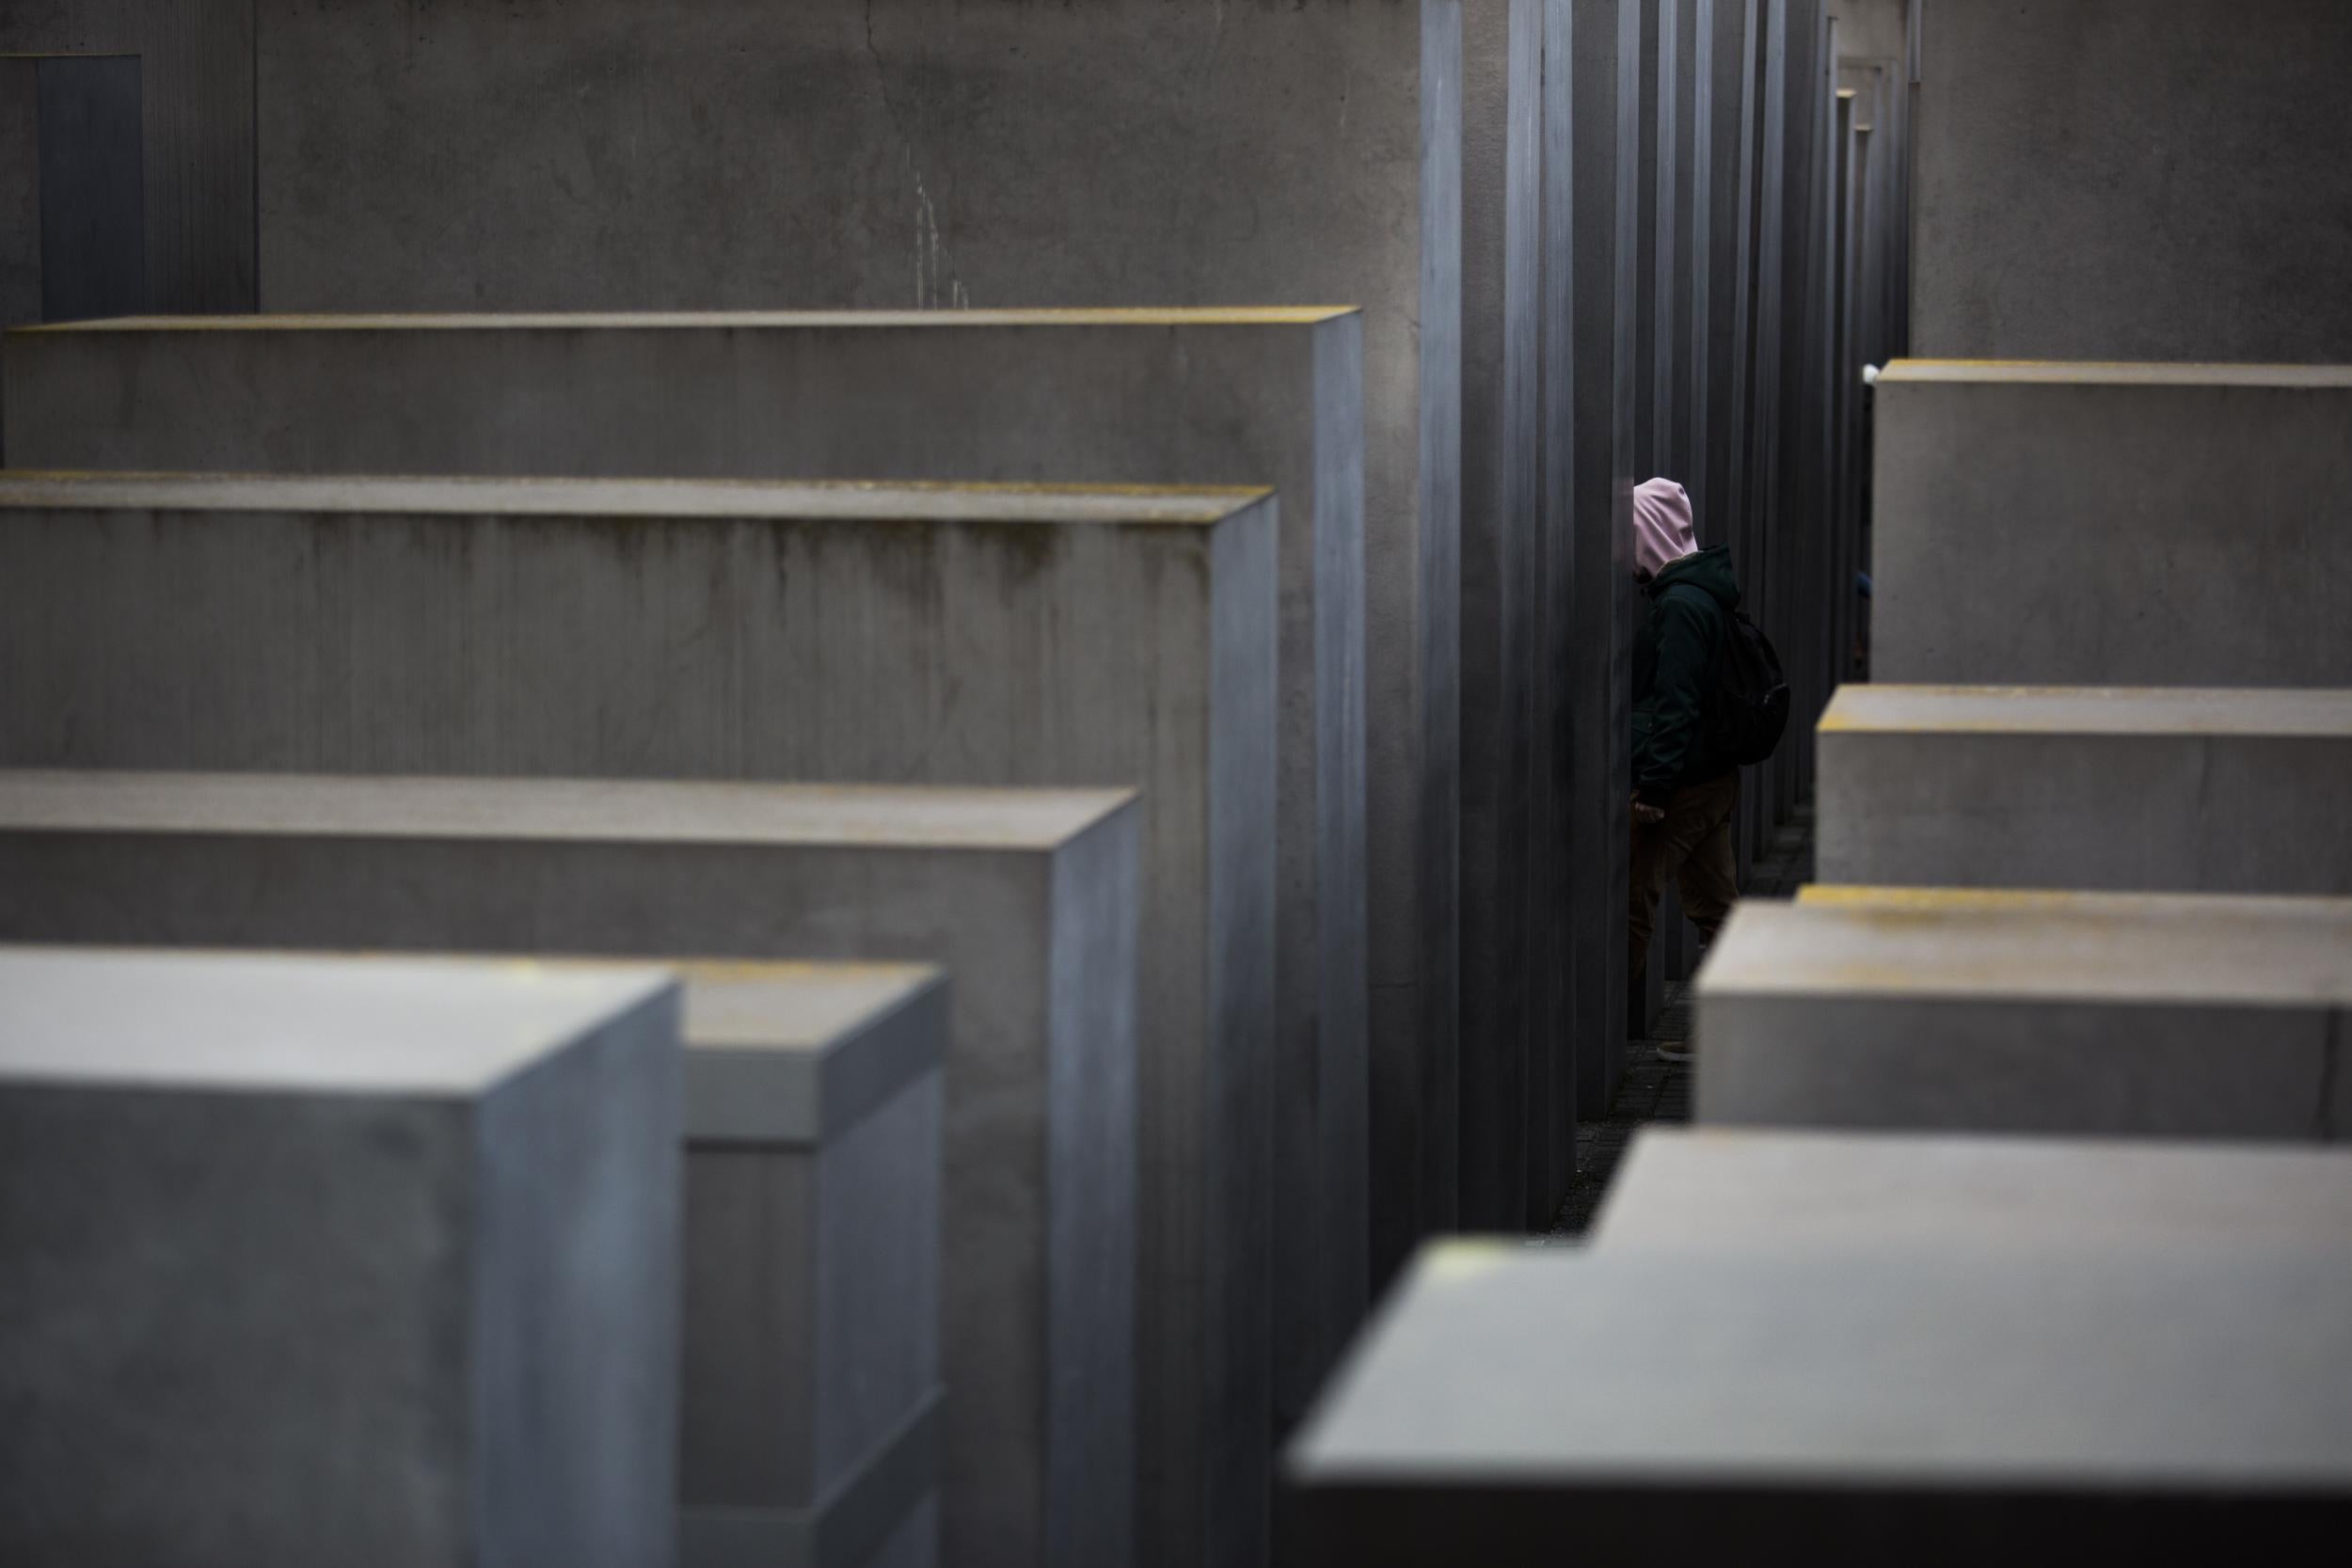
x,y
2076,373
423,1027
606,811
2118,948
2090,710
1498,1363
796,1052
817,500
1774,1190
714,321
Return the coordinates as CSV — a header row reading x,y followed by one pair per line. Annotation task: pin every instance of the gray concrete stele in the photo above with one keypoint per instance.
x,y
2137,788
1027,898
1925,1405
354,1260
2112,525
2042,229
810,1403
1786,1191
1991,1011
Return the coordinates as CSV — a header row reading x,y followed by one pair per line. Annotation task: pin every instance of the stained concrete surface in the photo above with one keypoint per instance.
x,y
310,1260
1907,1403
2150,789
1780,1191
2058,523
2100,181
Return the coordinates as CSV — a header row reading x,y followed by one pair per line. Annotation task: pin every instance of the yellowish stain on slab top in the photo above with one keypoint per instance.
x,y
2126,950
1986,900
2098,710
2085,373
709,320
619,811
846,500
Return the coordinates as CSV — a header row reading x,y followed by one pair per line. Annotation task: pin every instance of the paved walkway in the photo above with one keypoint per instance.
x,y
1653,1089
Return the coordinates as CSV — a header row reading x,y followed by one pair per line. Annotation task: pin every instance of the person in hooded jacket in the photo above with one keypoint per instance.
x,y
1684,796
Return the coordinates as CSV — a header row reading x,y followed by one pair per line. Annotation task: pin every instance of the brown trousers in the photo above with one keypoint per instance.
x,y
1691,848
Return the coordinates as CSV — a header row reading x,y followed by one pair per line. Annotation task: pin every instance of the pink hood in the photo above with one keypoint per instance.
x,y
1662,531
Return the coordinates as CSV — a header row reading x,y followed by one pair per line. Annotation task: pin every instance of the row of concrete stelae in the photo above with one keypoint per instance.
x,y
2016,1219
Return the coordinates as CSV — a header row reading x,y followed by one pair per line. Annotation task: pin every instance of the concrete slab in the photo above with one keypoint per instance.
x,y
2036,203
1877,1405
2218,1018
2105,788
311,1260
1778,1192
810,1406
1254,396
1028,898
2143,525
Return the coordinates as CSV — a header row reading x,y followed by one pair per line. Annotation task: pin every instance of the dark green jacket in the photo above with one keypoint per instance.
x,y
1690,614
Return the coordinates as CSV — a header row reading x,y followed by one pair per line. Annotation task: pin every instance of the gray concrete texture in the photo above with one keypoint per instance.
x,y
2114,1015
950,153
1026,897
1589,427
197,89
310,1260
1116,397
19,190
2102,788
1776,1192
2121,180
1502,90
1930,1406
810,1397
2142,525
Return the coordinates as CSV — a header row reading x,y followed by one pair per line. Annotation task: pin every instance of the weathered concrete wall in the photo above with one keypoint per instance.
x,y
950,153
1029,898
196,62
2116,1015
1907,1403
2060,524
1117,397
2143,789
311,1258
1776,1192
2127,180
847,633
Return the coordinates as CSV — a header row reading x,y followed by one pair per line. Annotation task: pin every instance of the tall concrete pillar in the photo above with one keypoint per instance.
x,y
1591,416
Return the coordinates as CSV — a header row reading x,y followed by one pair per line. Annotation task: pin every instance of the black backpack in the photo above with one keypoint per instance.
x,y
1747,706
